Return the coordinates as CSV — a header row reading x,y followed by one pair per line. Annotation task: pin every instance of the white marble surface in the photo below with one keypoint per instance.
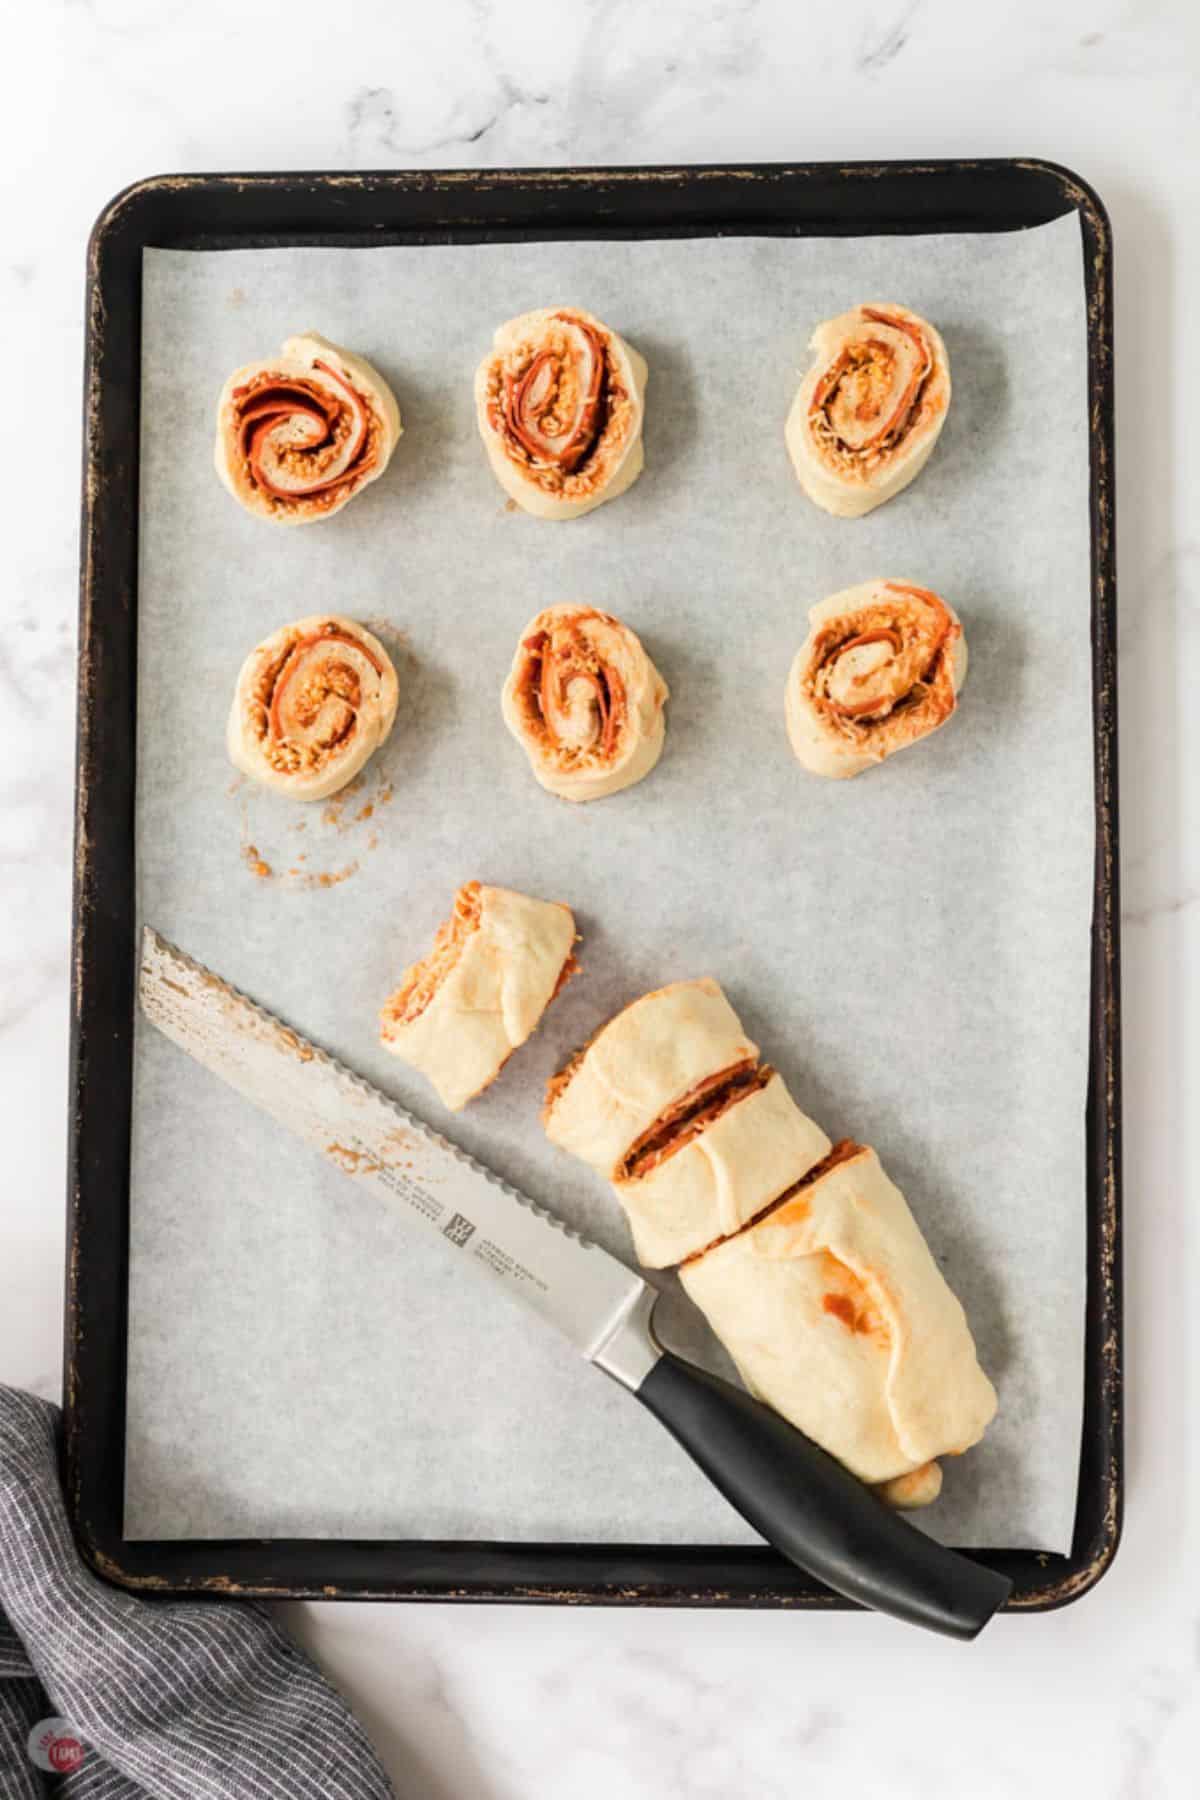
x,y
510,1704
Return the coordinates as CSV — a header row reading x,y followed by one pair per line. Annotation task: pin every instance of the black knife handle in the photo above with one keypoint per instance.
x,y
812,1509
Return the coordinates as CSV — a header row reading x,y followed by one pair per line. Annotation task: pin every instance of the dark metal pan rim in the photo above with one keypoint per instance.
x,y
855,198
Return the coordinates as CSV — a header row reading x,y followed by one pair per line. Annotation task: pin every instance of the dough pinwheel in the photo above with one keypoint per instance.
x,y
312,703
300,434
881,668
869,411
560,401
496,964
585,703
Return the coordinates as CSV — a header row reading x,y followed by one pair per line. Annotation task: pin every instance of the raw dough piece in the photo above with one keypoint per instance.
x,y
670,1049
881,667
495,966
870,409
710,1169
585,703
836,1314
560,403
920,1487
312,703
300,434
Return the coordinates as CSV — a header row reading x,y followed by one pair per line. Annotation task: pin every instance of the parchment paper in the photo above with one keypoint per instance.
x,y
911,948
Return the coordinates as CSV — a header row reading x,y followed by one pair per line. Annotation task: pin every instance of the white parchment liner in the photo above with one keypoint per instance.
x,y
911,949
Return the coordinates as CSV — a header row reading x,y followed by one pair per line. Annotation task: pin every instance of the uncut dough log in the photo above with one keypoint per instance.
x,y
837,1315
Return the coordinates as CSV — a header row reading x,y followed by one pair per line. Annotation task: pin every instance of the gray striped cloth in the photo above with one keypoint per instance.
x,y
171,1699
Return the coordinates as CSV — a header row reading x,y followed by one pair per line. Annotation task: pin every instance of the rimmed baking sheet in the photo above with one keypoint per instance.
x,y
912,950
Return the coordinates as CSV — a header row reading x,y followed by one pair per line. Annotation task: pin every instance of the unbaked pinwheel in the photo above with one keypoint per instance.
x,y
870,409
585,703
312,703
300,434
560,401
495,966
881,667
669,1103
837,1315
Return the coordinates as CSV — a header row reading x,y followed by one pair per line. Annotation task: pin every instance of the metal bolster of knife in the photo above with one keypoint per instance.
x,y
629,1349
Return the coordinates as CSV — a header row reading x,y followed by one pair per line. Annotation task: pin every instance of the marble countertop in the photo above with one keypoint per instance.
x,y
508,1703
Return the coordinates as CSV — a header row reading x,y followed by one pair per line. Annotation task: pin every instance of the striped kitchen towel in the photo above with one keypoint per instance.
x,y
107,1696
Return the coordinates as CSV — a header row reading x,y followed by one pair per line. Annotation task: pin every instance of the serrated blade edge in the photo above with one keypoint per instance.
x,y
578,1287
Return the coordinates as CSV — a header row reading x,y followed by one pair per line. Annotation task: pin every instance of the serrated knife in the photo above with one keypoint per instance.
x,y
791,1491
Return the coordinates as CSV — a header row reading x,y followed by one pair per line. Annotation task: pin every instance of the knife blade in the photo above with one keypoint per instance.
x,y
796,1495
576,1286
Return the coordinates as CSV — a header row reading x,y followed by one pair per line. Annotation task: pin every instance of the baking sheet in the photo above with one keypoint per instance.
x,y
911,949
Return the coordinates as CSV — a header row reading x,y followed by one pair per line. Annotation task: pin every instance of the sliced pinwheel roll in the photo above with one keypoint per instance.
x,y
673,1048
560,401
302,433
312,703
669,1103
870,409
496,964
585,703
881,667
709,1164
837,1315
